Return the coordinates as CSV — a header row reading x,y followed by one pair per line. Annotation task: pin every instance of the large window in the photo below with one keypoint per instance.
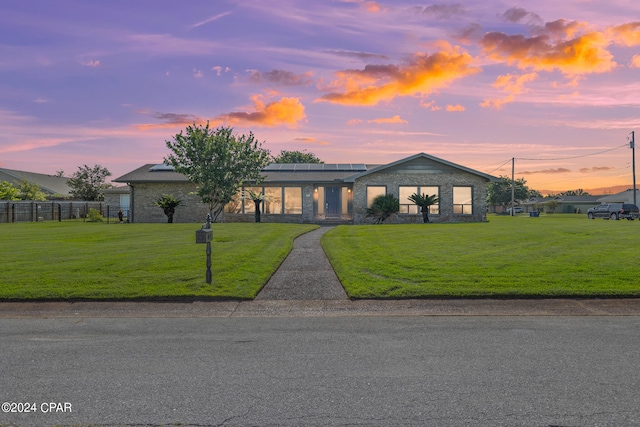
x,y
277,200
462,200
293,200
272,200
408,207
235,205
249,205
374,191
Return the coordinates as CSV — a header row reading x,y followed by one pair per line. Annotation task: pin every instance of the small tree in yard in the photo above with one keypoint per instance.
x,y
383,207
217,161
168,204
425,202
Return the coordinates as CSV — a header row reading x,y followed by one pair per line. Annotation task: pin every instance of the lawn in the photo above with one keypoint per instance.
x,y
550,256
78,260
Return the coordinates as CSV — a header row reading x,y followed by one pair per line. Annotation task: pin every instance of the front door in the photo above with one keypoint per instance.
x,y
332,201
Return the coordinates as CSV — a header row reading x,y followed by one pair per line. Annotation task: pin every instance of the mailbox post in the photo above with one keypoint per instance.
x,y
205,235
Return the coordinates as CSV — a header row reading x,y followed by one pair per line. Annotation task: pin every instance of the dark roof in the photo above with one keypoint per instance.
x,y
291,172
425,156
49,184
146,174
309,176
316,167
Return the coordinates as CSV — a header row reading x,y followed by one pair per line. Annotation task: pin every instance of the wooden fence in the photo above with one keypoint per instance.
x,y
32,211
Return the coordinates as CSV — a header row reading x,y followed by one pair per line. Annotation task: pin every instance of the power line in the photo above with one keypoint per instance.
x,y
573,157
508,161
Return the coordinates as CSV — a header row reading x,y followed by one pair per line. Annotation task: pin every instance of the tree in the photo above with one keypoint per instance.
x,y
383,207
424,201
30,191
217,161
8,191
296,157
168,204
87,183
578,192
551,206
499,192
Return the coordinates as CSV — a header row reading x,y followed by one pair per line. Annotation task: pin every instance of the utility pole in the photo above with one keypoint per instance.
x,y
513,186
633,163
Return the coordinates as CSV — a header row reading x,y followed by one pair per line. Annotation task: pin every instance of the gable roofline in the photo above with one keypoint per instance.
x,y
50,184
488,177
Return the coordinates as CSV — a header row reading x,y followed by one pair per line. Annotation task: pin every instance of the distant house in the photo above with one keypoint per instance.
x,y
119,198
51,185
323,193
623,197
564,204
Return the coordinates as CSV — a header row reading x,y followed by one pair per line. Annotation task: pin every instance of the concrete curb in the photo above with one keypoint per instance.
x,y
323,308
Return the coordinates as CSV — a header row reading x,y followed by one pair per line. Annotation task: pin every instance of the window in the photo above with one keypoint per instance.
x,y
249,205
319,196
462,200
277,200
272,200
293,200
408,207
375,191
235,205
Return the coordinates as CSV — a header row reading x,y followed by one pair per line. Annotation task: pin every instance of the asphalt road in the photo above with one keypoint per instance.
x,y
322,371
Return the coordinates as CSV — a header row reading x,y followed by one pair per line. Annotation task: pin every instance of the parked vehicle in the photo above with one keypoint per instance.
x,y
614,211
516,210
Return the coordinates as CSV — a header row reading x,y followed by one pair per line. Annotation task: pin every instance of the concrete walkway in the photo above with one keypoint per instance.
x,y
305,274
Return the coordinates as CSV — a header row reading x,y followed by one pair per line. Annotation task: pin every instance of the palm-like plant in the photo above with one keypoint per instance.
x,y
382,207
424,201
257,198
168,204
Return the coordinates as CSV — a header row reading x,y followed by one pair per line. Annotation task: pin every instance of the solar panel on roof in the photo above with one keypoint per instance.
x,y
162,168
305,167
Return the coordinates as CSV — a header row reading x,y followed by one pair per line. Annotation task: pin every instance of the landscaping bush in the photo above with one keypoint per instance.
x,y
94,215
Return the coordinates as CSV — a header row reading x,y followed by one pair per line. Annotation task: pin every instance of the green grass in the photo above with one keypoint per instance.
x,y
551,256
77,260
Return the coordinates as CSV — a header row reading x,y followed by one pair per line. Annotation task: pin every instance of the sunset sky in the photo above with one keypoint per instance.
x,y
554,84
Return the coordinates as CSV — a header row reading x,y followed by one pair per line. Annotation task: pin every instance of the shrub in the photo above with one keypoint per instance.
x,y
94,215
383,207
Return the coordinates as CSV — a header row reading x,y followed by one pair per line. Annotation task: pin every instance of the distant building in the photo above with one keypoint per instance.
x,y
51,185
563,204
623,197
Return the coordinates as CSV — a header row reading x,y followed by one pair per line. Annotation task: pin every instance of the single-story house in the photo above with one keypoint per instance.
x,y
117,198
323,193
51,185
564,204
623,197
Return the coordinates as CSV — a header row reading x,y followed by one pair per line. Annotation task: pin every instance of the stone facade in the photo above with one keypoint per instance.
x,y
445,187
423,172
145,194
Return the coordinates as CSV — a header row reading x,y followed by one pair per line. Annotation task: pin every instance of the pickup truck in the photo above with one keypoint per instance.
x,y
614,211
